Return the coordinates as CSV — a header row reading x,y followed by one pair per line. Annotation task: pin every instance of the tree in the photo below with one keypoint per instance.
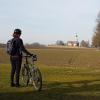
x,y
96,36
84,43
35,45
2,45
59,42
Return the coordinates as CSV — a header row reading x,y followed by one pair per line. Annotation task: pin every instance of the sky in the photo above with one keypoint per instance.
x,y
46,21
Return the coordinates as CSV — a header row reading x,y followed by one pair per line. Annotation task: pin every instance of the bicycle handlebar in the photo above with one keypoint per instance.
x,y
34,57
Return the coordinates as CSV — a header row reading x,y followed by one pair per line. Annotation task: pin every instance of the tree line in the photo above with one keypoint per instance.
x,y
83,43
32,45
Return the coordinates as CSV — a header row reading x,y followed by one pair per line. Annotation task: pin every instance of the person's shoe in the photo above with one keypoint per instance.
x,y
12,85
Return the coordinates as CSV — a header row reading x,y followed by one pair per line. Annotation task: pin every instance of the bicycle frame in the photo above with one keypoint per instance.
x,y
26,59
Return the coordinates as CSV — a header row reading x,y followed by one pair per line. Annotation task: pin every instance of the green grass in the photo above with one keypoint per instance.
x,y
68,74
66,83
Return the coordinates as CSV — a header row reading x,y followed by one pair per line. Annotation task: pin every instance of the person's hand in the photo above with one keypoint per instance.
x,y
34,57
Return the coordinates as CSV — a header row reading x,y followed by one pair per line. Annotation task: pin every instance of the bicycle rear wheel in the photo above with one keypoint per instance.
x,y
25,75
37,79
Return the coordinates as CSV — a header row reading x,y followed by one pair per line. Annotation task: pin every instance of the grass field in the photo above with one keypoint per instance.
x,y
68,74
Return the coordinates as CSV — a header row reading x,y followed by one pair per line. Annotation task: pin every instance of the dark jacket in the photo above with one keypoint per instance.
x,y
19,47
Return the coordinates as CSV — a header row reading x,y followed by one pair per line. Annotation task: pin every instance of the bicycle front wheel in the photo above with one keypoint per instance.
x,y
37,79
25,75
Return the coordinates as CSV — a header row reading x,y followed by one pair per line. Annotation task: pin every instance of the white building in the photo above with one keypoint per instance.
x,y
73,43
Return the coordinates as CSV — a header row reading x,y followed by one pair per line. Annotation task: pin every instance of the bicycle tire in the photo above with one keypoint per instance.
x,y
25,75
37,79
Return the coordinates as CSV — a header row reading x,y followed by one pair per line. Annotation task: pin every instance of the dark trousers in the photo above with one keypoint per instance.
x,y
16,62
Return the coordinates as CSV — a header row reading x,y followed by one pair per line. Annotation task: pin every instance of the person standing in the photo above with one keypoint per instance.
x,y
15,51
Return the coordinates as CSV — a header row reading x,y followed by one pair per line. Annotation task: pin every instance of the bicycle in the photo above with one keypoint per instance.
x,y
31,74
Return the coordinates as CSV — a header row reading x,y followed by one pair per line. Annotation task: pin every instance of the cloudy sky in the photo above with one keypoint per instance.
x,y
46,21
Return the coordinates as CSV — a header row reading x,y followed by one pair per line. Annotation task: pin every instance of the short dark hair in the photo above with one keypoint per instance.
x,y
17,31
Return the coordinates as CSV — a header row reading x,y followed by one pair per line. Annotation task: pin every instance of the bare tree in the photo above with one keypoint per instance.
x,y
96,36
84,43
